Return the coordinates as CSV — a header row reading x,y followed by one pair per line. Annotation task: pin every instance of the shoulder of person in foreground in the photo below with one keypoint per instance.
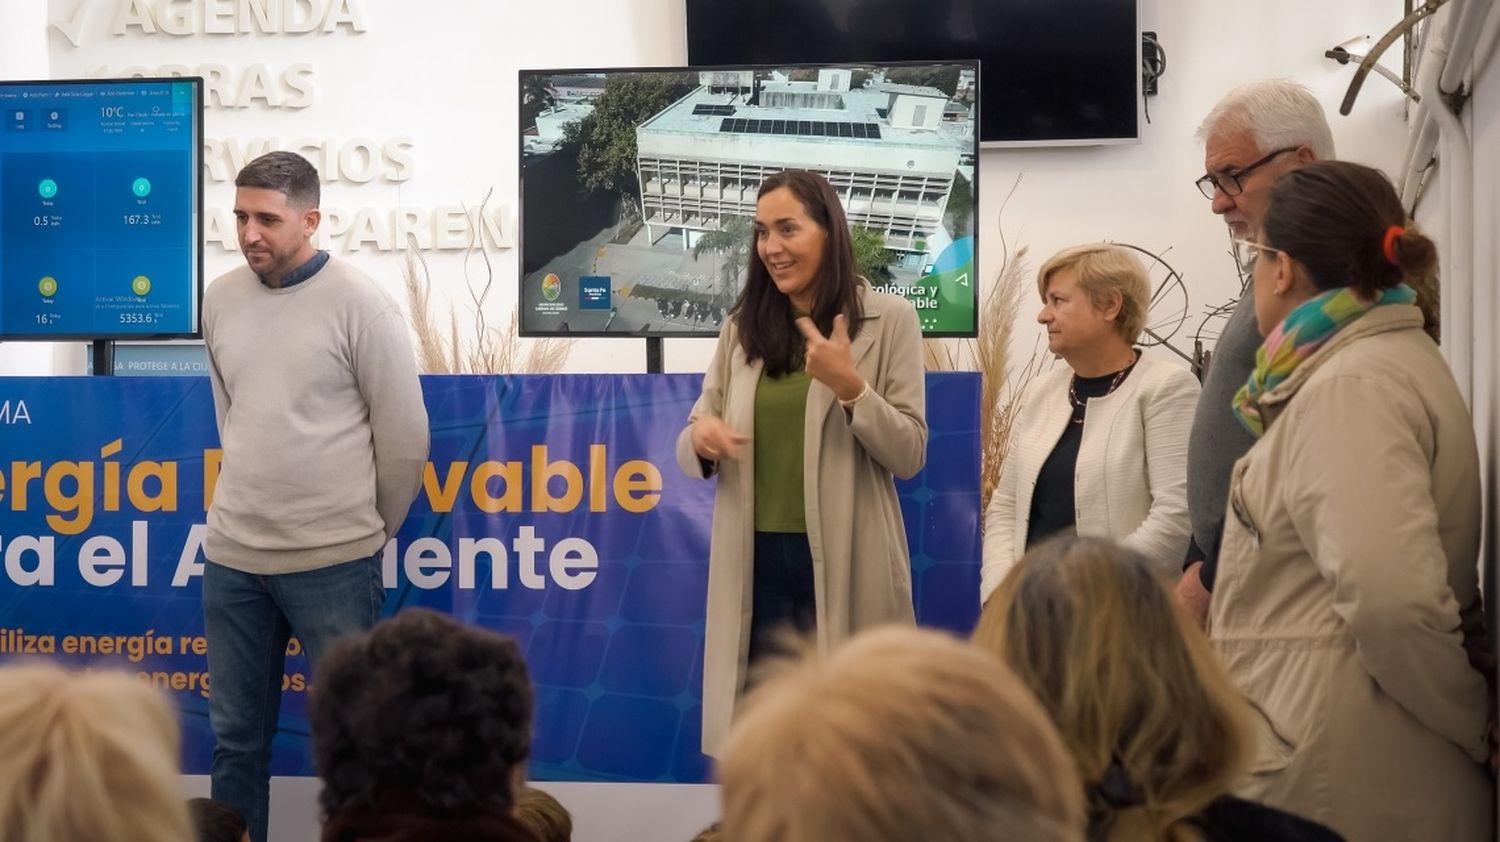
x,y
1237,820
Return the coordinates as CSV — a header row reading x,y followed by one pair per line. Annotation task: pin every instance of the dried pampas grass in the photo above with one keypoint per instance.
x,y
489,351
1001,381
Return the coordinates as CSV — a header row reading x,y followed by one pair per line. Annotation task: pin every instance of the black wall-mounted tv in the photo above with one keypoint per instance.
x,y
101,209
638,187
1054,71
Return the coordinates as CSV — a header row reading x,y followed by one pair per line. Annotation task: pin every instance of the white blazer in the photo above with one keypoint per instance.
x,y
1130,483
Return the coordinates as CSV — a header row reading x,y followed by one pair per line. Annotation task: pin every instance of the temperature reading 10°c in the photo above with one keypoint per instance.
x,y
112,111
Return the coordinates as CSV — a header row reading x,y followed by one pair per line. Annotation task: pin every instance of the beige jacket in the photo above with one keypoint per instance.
x,y
1347,586
861,568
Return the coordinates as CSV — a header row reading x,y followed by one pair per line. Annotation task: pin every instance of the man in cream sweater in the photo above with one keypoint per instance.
x,y
324,437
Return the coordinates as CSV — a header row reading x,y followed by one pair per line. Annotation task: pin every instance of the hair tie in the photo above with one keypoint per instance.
x,y
1388,246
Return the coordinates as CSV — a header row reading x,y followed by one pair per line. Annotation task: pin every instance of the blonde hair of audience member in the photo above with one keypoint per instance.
x,y
712,833
87,757
1106,274
899,734
1090,627
546,818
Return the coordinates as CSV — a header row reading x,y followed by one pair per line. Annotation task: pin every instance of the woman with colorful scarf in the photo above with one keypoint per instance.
x,y
1347,593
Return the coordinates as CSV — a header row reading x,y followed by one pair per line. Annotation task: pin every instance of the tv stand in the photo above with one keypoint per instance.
x,y
653,355
103,351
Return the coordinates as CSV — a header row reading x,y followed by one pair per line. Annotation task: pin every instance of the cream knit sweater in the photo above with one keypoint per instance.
x,y
321,417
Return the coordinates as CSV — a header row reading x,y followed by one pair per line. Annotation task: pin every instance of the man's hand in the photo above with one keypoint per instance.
x,y
828,360
1193,596
715,441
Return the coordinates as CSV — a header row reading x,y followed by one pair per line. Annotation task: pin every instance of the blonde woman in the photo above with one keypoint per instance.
x,y
897,735
1099,446
87,757
1157,731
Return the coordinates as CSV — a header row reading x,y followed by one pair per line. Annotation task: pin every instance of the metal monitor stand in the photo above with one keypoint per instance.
x,y
104,357
653,355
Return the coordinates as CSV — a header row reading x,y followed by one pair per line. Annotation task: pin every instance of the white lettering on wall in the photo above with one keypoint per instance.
x,y
359,160
224,87
181,18
442,228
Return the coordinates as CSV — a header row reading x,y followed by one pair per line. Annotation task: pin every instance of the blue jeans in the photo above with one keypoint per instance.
x,y
247,620
783,596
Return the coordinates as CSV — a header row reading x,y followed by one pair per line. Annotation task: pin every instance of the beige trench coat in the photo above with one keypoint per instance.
x,y
1347,589
861,567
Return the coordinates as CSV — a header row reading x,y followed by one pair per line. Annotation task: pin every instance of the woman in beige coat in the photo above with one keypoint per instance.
x,y
1347,592
813,401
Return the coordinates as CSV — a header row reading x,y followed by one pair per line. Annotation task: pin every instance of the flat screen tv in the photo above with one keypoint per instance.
x,y
638,187
1054,71
101,208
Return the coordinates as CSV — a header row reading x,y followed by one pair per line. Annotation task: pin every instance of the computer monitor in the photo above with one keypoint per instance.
x,y
101,208
638,187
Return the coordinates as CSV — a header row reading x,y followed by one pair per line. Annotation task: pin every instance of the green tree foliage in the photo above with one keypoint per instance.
x,y
733,240
960,213
871,258
944,77
536,96
605,140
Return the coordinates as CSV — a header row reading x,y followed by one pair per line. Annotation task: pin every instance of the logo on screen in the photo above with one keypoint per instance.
x,y
593,292
551,286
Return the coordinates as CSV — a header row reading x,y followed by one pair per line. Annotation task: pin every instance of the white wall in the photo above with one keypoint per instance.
x,y
444,74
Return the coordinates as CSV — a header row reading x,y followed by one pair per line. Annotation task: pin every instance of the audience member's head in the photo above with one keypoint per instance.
x,y
216,821
87,757
1153,723
712,833
1256,133
421,715
547,819
899,734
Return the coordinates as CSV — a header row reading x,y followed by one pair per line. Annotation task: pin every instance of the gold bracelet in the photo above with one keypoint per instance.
x,y
852,402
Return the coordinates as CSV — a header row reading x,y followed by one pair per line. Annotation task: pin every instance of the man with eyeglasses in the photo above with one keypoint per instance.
x,y
1254,135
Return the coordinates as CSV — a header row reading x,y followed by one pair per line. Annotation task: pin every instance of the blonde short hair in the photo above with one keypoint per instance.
x,y
1104,272
1092,629
87,756
900,734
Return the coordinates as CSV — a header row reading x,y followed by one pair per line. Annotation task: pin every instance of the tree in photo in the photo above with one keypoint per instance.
x,y
733,240
960,213
537,96
944,77
605,140
871,258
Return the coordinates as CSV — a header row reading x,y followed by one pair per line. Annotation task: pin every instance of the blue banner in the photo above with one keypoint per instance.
x,y
552,510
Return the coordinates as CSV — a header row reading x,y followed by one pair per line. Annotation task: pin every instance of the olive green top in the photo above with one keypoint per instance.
x,y
780,406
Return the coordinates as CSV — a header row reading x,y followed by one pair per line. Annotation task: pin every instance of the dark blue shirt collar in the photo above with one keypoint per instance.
x,y
305,271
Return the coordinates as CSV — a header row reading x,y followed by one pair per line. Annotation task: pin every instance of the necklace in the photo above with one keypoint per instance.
x,y
1080,404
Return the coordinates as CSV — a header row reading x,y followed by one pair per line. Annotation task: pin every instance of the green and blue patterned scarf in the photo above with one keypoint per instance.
x,y
1304,331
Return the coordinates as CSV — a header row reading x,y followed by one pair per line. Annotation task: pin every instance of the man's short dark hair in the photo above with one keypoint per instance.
x,y
215,821
421,707
285,172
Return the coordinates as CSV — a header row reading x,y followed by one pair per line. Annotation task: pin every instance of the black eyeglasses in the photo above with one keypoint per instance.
x,y
1229,181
